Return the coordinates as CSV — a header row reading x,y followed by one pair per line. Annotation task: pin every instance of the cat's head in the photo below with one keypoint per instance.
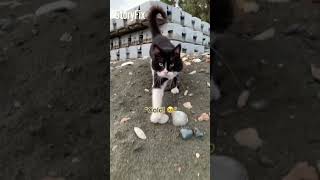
x,y
166,62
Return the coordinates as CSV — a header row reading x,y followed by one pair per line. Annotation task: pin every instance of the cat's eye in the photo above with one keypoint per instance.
x,y
160,64
171,65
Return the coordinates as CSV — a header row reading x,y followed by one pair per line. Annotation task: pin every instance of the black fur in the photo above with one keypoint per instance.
x,y
222,15
162,52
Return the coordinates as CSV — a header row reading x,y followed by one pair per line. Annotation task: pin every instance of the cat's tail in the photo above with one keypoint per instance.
x,y
154,11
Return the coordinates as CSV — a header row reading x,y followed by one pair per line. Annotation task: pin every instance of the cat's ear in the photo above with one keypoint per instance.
x,y
177,50
156,50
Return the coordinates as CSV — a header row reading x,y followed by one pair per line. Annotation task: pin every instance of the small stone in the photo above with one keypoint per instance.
x,y
250,7
114,148
266,161
243,98
187,63
191,94
259,104
197,155
179,118
185,92
196,60
198,133
75,160
204,117
208,84
302,170
248,137
186,133
267,34
140,133
193,72
315,70
187,105
146,90
66,37
130,73
60,5
16,104
124,120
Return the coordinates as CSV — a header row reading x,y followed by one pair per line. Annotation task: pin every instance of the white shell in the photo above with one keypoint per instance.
x,y
139,133
179,118
193,72
127,63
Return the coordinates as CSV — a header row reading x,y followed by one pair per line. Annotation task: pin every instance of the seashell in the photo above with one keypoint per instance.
x,y
139,133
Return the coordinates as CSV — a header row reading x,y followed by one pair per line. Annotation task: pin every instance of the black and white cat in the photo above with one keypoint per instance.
x,y
165,65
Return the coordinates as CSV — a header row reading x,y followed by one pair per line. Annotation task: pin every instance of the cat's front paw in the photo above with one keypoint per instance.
x,y
160,118
175,90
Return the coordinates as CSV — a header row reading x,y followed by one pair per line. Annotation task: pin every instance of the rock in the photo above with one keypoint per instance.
x,y
139,133
75,160
127,63
204,117
259,105
243,98
124,120
193,72
187,63
130,73
250,7
186,133
179,118
268,34
187,105
266,162
315,70
198,133
61,5
294,29
248,137
196,60
6,24
146,90
226,168
66,37
302,170
191,94
197,155
208,84
185,93
114,148
215,92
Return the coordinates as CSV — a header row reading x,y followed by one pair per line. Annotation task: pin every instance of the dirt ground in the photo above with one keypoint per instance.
x,y
289,124
53,93
164,153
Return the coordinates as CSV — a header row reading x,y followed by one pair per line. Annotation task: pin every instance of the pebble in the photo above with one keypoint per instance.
x,y
250,7
302,170
124,120
179,118
208,84
243,98
198,133
267,34
140,133
66,37
226,168
248,137
193,72
196,60
114,148
197,155
55,6
259,104
187,63
146,90
187,105
204,117
130,73
186,133
191,94
185,92
315,70
265,161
